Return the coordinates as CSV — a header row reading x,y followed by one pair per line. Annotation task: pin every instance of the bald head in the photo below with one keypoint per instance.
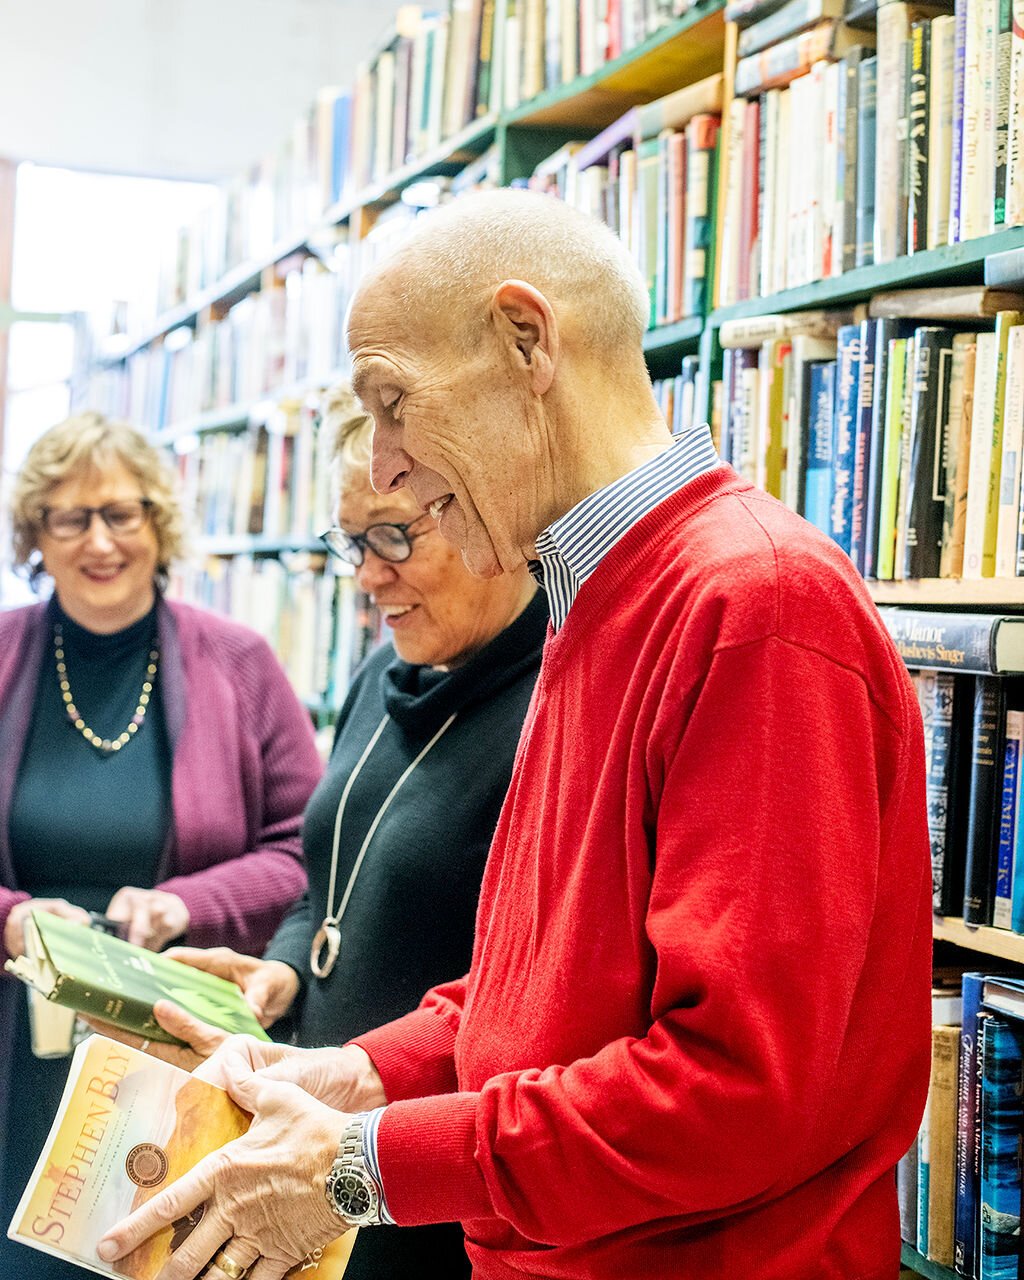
x,y
444,276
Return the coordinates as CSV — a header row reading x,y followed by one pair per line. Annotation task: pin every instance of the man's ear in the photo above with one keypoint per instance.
x,y
525,321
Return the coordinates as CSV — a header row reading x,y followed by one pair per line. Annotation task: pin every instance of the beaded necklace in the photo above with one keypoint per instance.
x,y
106,745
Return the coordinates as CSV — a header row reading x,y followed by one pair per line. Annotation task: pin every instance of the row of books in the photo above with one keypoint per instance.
x,y
960,1183
901,440
967,671
290,331
435,72
909,138
320,625
271,479
651,177
679,397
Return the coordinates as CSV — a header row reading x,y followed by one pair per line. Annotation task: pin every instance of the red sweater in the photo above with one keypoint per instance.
x,y
694,1040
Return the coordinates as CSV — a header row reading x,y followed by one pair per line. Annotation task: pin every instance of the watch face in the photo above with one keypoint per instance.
x,y
354,1194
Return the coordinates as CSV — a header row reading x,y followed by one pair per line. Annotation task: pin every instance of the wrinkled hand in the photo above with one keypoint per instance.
x,y
269,986
200,1038
344,1078
153,916
264,1192
14,928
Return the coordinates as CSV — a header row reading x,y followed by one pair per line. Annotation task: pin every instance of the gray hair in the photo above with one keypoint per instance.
x,y
350,435
460,253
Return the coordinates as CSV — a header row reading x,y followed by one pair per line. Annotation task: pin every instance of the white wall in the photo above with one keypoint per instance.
x,y
176,88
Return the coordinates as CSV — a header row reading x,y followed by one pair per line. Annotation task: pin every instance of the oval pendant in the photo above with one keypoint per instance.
x,y
324,951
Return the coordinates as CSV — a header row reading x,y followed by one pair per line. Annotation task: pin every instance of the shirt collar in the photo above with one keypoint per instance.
x,y
571,548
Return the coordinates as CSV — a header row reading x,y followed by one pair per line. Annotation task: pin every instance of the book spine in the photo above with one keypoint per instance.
x,y
968,1127
862,443
1002,909
780,25
1005,321
945,641
849,71
918,128
848,355
866,111
1004,45
927,498
1000,1191
942,1112
982,413
982,817
956,137
893,31
906,1193
885,331
818,491
903,144
1015,138
936,697
701,137
110,1006
1013,443
892,450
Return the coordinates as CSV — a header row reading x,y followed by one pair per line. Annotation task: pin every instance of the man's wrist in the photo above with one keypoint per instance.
x,y
353,1186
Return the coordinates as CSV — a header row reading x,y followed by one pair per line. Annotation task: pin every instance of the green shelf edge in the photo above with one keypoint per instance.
x,y
525,111
910,1257
916,270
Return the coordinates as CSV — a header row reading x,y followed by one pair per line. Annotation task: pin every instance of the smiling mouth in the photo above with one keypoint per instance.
x,y
438,505
106,574
396,610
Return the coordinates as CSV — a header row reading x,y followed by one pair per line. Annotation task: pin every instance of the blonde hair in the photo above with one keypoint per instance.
x,y
89,442
350,436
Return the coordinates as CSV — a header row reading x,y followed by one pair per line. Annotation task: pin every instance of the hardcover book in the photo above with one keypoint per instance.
x,y
981,643
128,1125
117,982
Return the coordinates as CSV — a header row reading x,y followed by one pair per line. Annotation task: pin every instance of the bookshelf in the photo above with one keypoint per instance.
x,y
917,1262
951,593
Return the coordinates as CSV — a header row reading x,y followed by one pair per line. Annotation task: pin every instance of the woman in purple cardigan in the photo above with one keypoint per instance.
x,y
154,761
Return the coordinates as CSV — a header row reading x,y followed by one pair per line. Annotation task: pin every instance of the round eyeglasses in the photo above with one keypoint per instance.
x,y
391,542
65,523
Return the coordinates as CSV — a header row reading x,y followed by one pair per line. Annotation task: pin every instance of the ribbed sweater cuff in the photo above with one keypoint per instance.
x,y
427,1153
413,1055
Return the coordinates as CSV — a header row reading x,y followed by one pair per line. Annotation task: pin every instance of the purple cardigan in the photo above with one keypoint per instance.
x,y
244,765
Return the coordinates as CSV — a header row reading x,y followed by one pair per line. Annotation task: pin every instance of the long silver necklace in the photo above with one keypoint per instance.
x,y
327,940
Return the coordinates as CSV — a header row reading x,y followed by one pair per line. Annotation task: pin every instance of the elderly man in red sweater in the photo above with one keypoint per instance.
x,y
694,1038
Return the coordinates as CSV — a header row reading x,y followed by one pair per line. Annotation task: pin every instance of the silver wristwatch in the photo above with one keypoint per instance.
x,y
353,1193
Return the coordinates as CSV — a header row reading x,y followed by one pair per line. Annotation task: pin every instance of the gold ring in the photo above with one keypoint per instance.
x,y
232,1269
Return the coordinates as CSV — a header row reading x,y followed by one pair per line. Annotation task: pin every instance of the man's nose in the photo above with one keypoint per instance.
x,y
390,465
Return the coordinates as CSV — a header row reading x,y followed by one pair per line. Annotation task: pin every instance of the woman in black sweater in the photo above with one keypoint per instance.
x,y
394,874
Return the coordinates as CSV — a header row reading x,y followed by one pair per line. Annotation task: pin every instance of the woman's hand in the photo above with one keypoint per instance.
x,y
14,928
269,986
201,1039
153,916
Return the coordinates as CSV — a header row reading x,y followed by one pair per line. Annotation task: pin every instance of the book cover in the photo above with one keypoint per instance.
x,y
1015,135
804,350
983,457
1002,1087
892,445
973,643
940,127
128,1125
1003,52
961,409
936,692
862,442
1013,446
903,148
926,499
957,131
906,1193
987,748
117,982
850,158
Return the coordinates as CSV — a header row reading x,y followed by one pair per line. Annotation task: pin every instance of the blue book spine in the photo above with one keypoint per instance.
x,y
1001,1113
862,442
956,163
966,1215
818,498
923,1172
1017,876
1002,909
340,144
844,419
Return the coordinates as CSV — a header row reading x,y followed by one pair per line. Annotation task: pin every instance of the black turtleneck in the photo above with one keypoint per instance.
x,y
409,921
83,823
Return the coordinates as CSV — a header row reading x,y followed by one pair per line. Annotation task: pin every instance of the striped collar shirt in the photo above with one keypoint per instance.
x,y
570,549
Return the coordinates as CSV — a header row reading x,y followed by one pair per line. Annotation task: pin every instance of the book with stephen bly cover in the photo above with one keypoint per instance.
x,y
128,1125
116,982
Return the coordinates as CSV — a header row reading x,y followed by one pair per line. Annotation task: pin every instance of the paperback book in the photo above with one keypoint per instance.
x,y
128,1125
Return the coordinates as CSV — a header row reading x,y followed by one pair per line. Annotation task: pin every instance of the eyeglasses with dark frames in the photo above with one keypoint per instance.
x,y
391,542
121,518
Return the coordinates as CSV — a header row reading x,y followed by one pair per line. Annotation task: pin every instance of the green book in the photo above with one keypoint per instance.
x,y
891,455
117,982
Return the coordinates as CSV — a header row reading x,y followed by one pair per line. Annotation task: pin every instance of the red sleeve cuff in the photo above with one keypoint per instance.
x,y
426,1149
414,1055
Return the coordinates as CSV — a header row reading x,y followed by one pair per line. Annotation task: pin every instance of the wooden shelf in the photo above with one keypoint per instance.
x,y
678,54
992,942
684,335
982,593
950,264
257,545
910,1257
